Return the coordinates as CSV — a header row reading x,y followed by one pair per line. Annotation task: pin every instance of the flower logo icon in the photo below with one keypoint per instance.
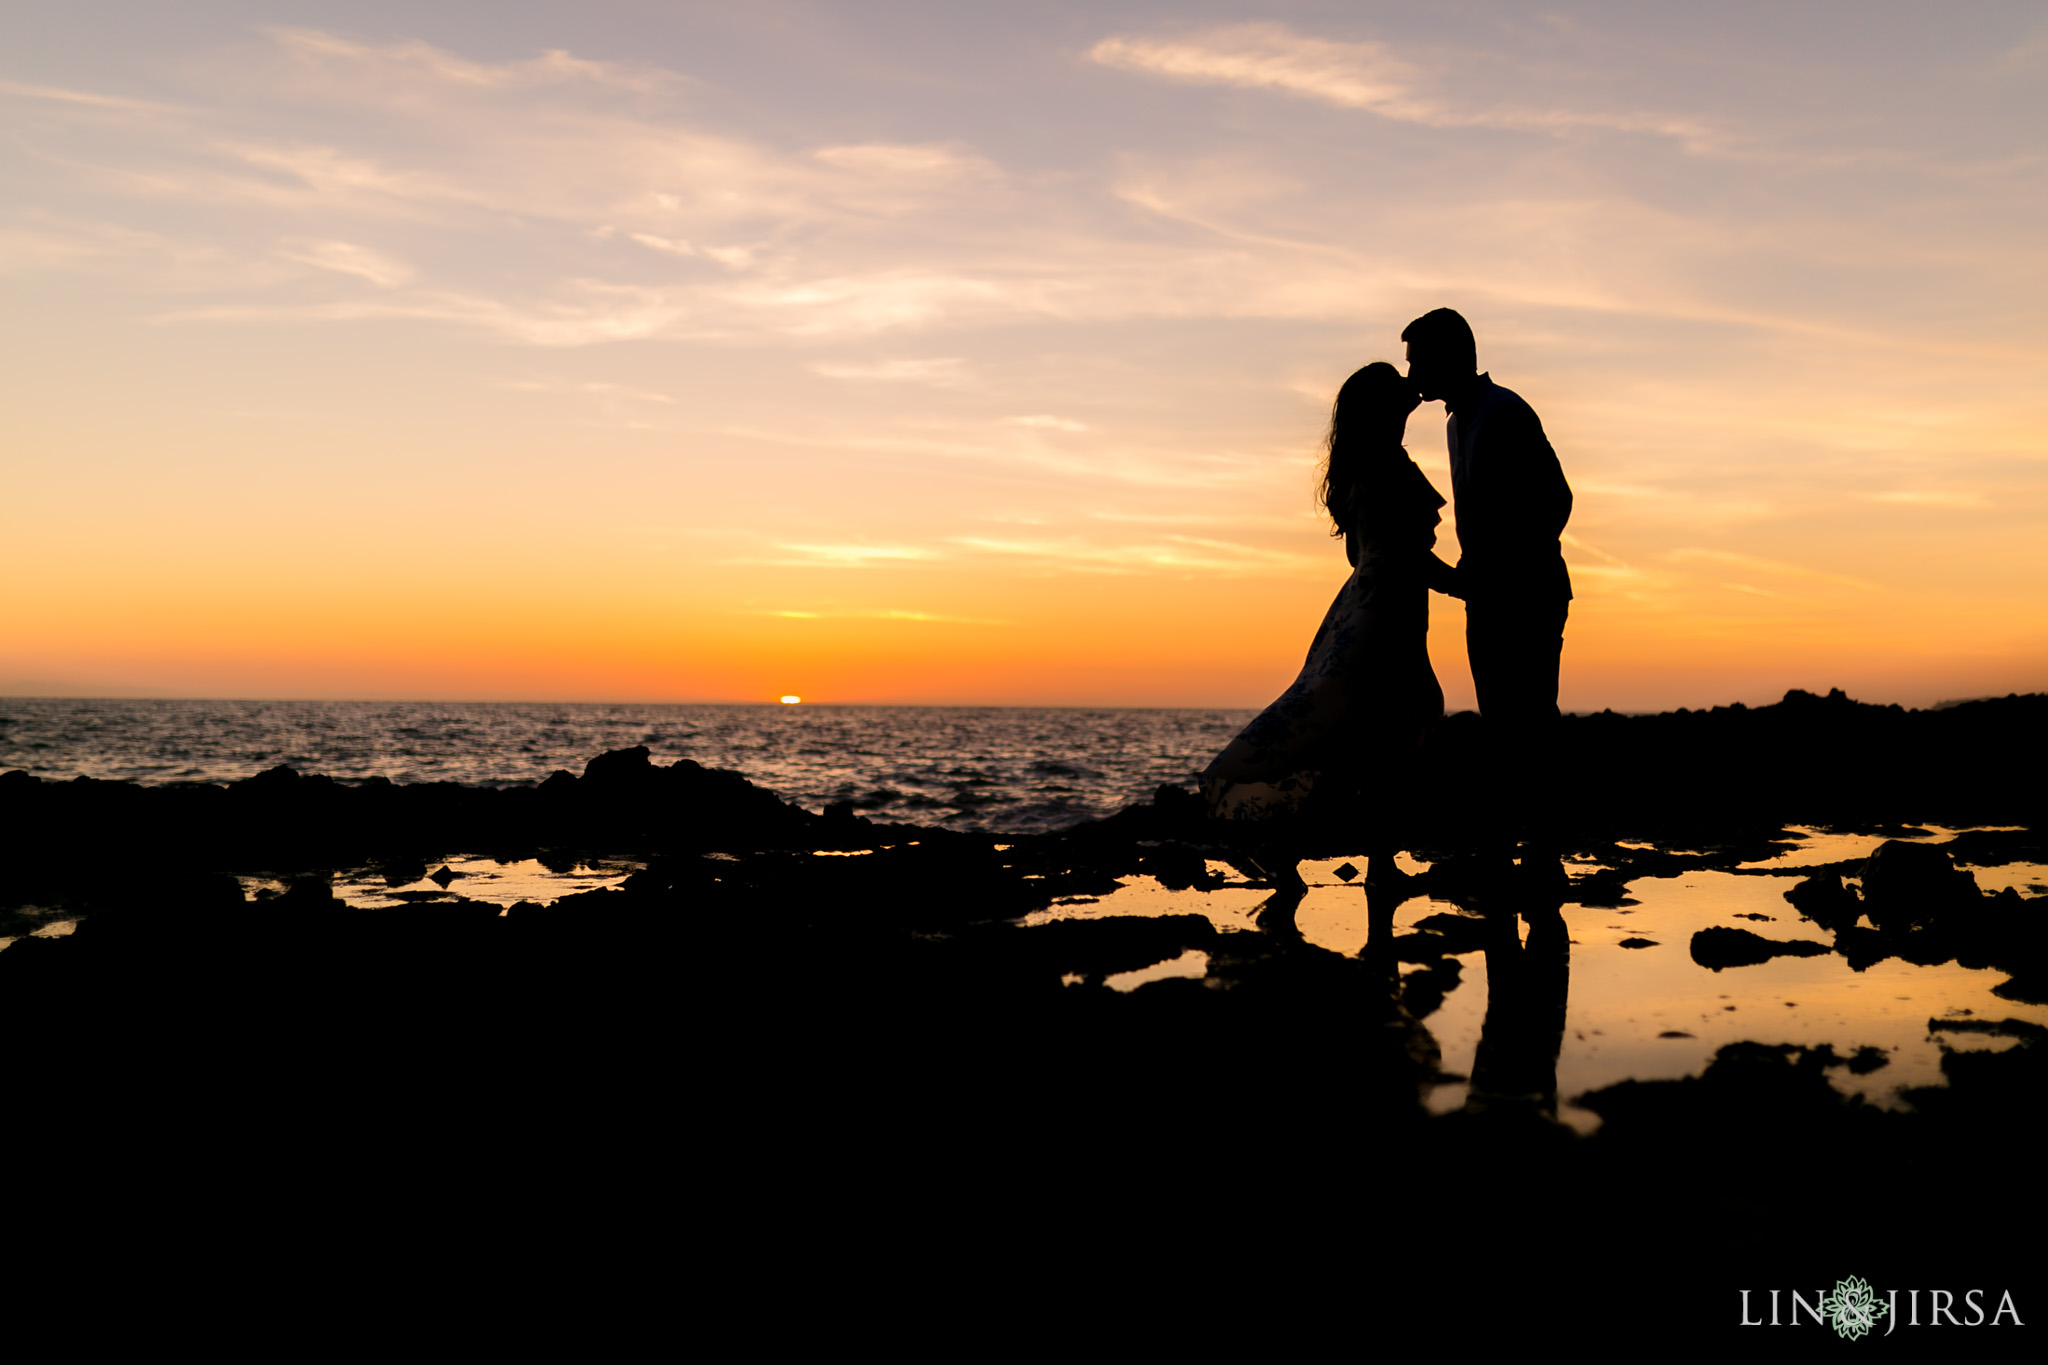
x,y
1852,1309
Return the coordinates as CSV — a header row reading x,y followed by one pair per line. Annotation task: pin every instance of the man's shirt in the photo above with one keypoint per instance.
x,y
1512,501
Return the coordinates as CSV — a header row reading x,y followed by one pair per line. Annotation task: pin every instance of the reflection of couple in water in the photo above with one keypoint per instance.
x,y
1348,735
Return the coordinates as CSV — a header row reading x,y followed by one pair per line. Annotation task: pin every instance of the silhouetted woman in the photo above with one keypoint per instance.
x,y
1353,723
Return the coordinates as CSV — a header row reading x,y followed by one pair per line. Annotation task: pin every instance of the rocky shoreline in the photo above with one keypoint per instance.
x,y
846,1042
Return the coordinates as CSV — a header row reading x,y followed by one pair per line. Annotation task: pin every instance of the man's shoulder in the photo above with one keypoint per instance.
x,y
1500,399
1502,414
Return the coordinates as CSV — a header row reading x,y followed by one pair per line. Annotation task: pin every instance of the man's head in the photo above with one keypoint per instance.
x,y
1442,357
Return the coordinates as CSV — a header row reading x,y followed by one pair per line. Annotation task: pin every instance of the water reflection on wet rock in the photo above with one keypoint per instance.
x,y
1752,961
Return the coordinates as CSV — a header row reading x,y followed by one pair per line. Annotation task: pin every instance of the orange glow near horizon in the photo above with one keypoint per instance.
x,y
504,377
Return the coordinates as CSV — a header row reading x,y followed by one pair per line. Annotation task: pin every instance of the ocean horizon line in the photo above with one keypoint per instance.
x,y
132,698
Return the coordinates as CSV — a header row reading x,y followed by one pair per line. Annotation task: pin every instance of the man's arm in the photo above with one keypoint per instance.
x,y
1526,497
1442,577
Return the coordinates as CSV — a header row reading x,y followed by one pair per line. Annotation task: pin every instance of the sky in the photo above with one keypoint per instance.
x,y
979,354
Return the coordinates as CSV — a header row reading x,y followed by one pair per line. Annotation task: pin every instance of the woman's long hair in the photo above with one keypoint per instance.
x,y
1366,419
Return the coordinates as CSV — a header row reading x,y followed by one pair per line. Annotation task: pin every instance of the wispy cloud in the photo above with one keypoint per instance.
x,y
856,556
941,370
1658,589
613,215
920,159
1273,57
331,54
1577,544
1367,76
601,313
883,614
1166,554
87,98
867,303
2028,56
905,445
1730,558
1930,497
675,246
347,258
1239,517
334,175
597,388
1004,444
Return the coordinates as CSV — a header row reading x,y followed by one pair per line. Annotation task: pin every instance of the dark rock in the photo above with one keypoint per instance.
x,y
1863,947
891,993
403,871
1423,990
1423,948
181,897
1748,1091
1457,933
1908,884
1998,847
2025,988
1923,948
1722,947
1637,943
270,780
673,875
619,767
1177,867
1459,877
1103,947
1602,890
443,875
1178,805
307,894
1823,899
1344,872
2022,1029
174,905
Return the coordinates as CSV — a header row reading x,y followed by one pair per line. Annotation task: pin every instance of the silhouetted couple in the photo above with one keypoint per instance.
x,y
1349,734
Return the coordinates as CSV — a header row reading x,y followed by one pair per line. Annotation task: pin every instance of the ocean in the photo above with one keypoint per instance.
x,y
1003,769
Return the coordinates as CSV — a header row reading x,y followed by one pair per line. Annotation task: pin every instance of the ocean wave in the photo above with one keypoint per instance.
x,y
995,768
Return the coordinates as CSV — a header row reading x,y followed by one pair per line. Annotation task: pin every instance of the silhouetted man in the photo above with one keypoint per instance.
x,y
1511,502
